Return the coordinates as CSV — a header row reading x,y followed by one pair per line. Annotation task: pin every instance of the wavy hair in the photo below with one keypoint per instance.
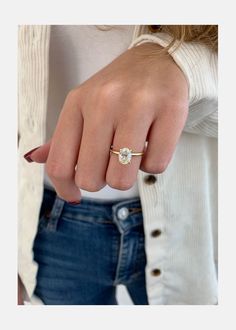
x,y
206,34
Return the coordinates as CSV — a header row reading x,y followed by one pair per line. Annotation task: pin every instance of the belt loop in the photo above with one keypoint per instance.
x,y
56,213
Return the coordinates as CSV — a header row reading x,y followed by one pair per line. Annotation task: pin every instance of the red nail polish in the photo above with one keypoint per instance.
x,y
27,155
74,202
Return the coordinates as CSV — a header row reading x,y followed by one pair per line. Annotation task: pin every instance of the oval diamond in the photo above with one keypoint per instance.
x,y
125,156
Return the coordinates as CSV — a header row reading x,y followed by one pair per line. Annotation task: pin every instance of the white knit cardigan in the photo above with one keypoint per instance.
x,y
183,201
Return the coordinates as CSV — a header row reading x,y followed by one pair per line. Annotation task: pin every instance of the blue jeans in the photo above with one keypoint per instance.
x,y
84,251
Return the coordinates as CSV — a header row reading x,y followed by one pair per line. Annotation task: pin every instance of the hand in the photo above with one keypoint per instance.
x,y
141,96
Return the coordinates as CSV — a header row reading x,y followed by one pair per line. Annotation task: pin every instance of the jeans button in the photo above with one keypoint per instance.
x,y
123,213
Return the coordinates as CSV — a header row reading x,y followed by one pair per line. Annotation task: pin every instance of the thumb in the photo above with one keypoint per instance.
x,y
39,154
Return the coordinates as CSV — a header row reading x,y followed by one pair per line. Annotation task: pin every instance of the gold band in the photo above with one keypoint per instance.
x,y
132,153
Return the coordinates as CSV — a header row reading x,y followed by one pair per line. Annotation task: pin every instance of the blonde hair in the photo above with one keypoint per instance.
x,y
206,34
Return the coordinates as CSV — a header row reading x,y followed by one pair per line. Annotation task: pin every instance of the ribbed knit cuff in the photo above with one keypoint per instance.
x,y
199,65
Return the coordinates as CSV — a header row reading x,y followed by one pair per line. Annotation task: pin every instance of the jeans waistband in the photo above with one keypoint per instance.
x,y
127,212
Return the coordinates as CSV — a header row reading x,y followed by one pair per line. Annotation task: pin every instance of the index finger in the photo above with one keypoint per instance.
x,y
64,150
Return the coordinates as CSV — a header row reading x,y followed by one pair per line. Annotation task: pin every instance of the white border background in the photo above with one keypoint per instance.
x,y
119,12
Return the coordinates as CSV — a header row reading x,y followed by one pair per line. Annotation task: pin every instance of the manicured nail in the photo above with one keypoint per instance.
x,y
74,202
27,155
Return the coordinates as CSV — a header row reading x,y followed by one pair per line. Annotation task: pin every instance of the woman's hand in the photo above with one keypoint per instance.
x,y
140,96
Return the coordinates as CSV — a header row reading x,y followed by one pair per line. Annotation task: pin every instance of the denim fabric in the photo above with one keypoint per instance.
x,y
84,251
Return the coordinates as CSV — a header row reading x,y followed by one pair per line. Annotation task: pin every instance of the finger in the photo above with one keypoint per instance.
x,y
162,139
131,134
94,155
39,154
64,149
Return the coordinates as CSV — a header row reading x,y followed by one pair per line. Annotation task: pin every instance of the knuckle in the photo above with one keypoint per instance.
x,y
109,90
73,95
167,104
56,171
175,105
142,95
88,185
155,167
119,183
138,101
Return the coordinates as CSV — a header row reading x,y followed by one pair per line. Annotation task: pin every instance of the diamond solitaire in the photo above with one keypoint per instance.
x,y
125,155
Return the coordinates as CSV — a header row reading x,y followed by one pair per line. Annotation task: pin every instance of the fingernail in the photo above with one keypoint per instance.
x,y
74,202
27,155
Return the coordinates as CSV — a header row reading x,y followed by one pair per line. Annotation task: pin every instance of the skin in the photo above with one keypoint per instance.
x,y
141,96
20,292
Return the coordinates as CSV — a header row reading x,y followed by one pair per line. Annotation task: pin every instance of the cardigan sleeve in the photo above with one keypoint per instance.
x,y
199,65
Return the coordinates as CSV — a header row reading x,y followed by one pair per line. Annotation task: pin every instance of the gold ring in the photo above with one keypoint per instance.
x,y
125,154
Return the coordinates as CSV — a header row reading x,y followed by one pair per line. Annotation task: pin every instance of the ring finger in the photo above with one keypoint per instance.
x,y
132,135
